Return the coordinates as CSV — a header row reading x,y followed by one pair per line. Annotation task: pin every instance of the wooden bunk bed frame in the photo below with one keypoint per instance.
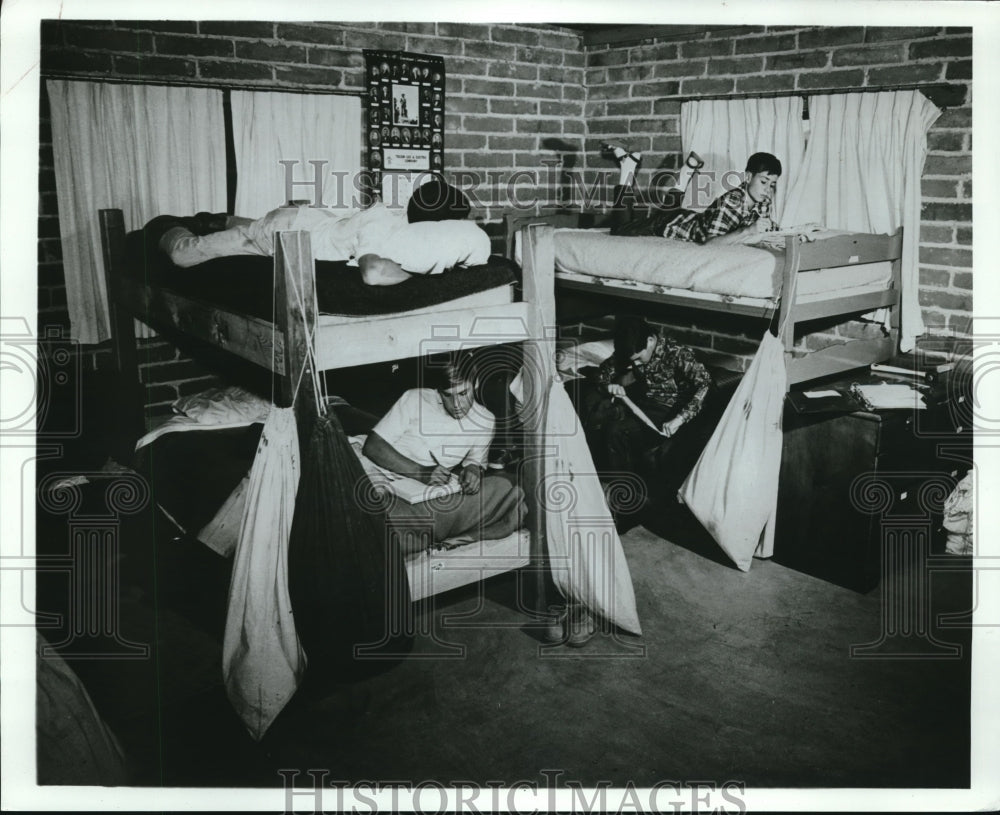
x,y
282,347
854,248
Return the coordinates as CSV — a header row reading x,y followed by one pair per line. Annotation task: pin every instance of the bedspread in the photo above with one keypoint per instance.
x,y
739,271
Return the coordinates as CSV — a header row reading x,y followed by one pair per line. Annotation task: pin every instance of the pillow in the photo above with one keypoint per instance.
x,y
225,405
570,360
212,409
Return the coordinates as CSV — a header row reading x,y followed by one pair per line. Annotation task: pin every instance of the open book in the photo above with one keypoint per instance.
x,y
640,415
416,492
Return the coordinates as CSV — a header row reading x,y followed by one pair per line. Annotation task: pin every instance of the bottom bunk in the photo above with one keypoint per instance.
x,y
200,460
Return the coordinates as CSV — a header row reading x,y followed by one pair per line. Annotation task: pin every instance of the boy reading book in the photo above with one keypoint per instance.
x,y
642,397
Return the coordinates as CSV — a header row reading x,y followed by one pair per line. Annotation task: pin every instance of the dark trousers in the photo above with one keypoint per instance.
x,y
619,442
629,219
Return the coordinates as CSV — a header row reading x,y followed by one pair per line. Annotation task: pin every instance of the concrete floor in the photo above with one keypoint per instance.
x,y
738,676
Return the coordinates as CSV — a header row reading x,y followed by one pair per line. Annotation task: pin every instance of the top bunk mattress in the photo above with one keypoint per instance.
x,y
725,271
245,284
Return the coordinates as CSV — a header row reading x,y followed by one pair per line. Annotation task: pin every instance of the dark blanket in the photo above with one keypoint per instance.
x,y
245,284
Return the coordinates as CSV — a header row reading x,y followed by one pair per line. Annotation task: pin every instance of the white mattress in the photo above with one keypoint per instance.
x,y
437,570
711,271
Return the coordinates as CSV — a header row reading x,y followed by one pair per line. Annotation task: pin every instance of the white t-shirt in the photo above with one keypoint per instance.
x,y
426,247
418,425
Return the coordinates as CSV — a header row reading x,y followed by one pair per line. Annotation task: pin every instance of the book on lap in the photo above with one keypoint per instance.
x,y
416,492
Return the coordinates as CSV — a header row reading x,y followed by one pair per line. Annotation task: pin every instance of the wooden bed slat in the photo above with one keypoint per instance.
x,y
295,317
398,336
856,248
539,367
248,337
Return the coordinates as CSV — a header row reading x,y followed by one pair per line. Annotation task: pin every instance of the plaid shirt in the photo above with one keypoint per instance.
x,y
730,211
672,377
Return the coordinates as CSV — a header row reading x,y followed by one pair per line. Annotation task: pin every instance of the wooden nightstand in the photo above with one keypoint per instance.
x,y
851,483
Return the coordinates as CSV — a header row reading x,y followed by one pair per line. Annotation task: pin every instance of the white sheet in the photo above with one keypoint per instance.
x,y
713,269
262,659
733,488
585,553
734,270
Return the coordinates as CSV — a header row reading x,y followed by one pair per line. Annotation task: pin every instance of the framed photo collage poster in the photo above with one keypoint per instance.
x,y
405,120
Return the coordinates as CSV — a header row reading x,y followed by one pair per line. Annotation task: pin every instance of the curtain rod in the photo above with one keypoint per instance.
x,y
928,88
194,83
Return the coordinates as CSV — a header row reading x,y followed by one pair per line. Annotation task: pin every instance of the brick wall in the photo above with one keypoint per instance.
x,y
511,89
525,104
632,97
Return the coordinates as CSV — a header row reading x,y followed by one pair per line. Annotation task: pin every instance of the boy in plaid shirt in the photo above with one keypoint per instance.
x,y
663,379
737,214
733,217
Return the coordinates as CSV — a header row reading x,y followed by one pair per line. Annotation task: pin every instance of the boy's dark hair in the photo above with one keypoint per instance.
x,y
631,335
447,370
436,200
763,163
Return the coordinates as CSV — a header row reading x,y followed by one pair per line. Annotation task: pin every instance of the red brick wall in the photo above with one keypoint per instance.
x,y
510,87
629,90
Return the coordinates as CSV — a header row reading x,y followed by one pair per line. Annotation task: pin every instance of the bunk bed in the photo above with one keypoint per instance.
x,y
282,345
836,275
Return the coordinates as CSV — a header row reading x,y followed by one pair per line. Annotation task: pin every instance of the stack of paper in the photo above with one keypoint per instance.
x,y
886,397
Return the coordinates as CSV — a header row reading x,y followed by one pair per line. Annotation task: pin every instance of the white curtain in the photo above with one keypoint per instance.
x,y
145,149
272,127
725,133
862,172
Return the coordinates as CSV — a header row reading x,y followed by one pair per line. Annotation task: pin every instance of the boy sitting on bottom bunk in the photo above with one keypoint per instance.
x,y
660,378
440,433
388,245
736,216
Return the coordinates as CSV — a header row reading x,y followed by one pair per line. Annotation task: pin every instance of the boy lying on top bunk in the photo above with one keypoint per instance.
x,y
389,246
735,216
742,215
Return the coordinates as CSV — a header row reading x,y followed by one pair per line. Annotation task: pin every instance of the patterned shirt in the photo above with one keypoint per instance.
x,y
672,377
730,211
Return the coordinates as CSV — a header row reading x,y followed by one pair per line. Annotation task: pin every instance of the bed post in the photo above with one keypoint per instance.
x,y
538,266
789,287
295,316
895,313
123,345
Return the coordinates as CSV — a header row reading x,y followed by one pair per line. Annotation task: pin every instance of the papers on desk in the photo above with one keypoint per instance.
x,y
886,396
824,400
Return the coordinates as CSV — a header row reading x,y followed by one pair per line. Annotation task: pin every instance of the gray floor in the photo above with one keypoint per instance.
x,y
738,676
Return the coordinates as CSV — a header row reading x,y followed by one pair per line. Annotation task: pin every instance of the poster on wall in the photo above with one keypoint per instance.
x,y
405,118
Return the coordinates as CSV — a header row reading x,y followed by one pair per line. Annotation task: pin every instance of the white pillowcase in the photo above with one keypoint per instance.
x,y
569,361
